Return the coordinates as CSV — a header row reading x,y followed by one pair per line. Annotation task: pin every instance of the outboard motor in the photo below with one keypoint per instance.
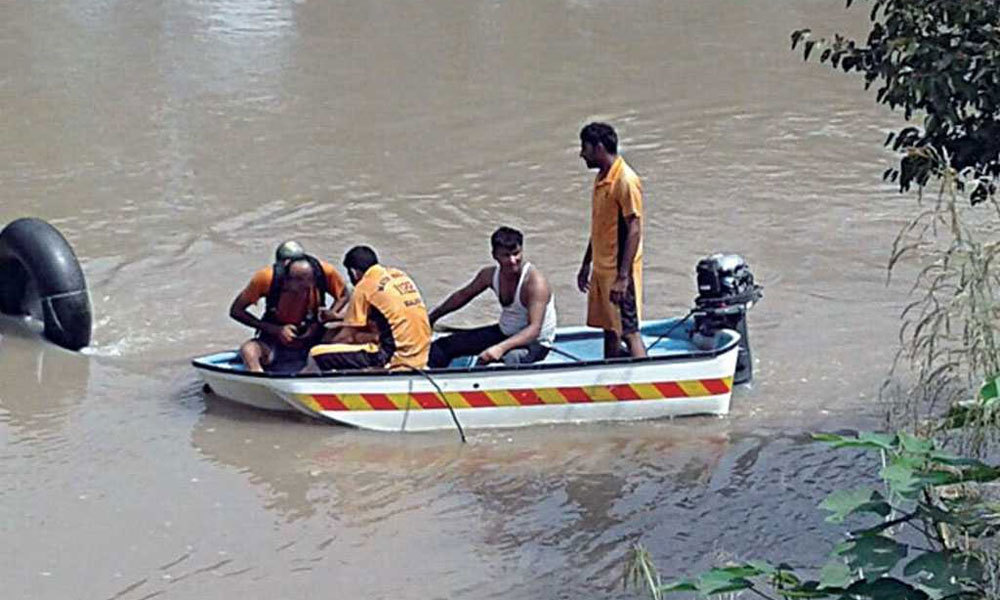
x,y
726,291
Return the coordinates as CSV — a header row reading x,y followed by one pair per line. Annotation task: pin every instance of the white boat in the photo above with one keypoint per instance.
x,y
572,384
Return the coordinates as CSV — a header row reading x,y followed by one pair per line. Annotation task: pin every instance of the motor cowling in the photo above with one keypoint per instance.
x,y
726,291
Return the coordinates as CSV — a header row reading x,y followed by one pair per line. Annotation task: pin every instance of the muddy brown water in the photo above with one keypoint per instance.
x,y
175,143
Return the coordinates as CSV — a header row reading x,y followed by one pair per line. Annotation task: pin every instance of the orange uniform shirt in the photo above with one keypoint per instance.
x,y
289,311
616,196
390,297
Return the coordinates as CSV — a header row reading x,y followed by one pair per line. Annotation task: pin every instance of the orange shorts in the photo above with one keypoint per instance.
x,y
604,314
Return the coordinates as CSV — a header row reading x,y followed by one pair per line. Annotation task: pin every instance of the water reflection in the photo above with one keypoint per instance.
x,y
42,382
557,505
556,496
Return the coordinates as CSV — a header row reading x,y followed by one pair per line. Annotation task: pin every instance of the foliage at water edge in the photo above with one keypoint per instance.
x,y
928,533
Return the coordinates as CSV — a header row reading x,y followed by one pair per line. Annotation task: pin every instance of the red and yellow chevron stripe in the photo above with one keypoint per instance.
x,y
523,397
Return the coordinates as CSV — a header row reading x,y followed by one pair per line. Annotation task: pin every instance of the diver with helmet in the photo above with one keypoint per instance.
x,y
294,289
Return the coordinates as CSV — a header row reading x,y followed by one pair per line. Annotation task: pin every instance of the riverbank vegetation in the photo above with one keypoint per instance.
x,y
930,530
936,62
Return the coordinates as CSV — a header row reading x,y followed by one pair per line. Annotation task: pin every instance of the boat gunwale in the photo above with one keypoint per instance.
x,y
199,363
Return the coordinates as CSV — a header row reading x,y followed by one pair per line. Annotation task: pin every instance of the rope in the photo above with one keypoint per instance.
x,y
563,352
454,417
671,330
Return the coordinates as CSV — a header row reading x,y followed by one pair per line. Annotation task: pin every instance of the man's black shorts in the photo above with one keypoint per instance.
x,y
342,357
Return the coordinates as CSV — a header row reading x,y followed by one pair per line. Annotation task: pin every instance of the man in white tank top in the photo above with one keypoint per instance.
x,y
527,322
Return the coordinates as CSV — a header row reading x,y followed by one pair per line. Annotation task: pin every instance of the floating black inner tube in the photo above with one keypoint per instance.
x,y
40,276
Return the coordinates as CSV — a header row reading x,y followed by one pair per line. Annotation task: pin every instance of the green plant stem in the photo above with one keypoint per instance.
x,y
760,593
924,531
937,527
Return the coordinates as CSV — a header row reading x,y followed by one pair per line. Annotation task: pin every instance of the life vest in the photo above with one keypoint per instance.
x,y
277,284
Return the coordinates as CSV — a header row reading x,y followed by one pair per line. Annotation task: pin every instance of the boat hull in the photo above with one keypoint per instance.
x,y
570,392
508,401
236,388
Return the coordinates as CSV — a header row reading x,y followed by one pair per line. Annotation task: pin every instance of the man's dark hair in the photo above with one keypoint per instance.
x,y
600,133
506,238
360,258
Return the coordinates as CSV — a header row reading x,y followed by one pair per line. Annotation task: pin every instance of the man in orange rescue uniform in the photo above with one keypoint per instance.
x,y
295,289
614,290
386,323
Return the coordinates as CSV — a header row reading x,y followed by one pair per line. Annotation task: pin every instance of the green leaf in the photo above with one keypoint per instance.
x,y
885,441
845,502
886,588
834,574
901,479
865,439
678,586
969,471
946,458
989,389
764,567
745,570
873,555
944,571
875,529
981,473
720,581
916,445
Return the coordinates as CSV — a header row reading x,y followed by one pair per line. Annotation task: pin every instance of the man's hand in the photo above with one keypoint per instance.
x,y
287,334
327,315
583,278
619,289
491,354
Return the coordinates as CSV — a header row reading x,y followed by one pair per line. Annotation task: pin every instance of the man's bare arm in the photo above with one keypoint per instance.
x,y
583,277
337,312
634,236
463,296
239,313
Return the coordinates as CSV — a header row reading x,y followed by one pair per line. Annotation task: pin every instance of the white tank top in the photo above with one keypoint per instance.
x,y
514,317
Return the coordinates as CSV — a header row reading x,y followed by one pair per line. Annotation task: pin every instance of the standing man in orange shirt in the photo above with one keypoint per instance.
x,y
614,289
